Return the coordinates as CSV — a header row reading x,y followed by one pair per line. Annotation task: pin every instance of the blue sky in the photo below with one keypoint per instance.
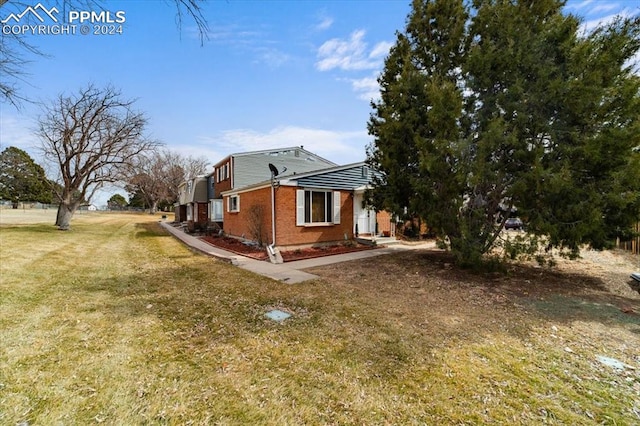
x,y
271,74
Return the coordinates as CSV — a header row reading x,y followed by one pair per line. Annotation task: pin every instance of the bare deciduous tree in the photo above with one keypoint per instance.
x,y
157,175
146,177
193,8
180,169
91,137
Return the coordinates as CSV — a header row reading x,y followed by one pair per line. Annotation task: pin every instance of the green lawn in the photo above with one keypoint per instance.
x,y
116,322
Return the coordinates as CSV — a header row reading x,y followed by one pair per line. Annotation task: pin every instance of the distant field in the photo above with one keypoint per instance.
x,y
116,322
27,216
19,216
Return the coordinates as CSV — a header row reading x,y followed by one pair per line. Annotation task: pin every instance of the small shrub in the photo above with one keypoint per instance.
x,y
256,224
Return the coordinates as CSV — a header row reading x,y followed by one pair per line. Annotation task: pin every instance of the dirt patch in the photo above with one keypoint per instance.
x,y
251,250
424,289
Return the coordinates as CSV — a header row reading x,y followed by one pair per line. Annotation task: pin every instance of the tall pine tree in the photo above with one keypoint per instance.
x,y
506,106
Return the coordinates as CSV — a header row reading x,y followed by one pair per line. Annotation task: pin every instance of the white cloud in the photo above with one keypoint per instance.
x,y
596,13
367,88
591,24
273,58
353,55
230,34
336,146
590,7
381,50
324,24
17,131
581,5
196,150
347,55
257,42
603,8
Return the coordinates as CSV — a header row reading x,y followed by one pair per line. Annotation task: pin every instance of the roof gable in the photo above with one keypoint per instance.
x,y
297,151
193,190
251,168
348,178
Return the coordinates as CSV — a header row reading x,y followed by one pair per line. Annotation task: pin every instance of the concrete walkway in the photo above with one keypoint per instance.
x,y
289,272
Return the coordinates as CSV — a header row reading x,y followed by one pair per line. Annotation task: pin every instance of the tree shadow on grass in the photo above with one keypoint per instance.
x,y
571,295
428,284
149,230
183,296
414,287
378,312
31,228
603,309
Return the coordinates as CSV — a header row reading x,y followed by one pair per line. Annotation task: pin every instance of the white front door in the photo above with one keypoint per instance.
x,y
363,218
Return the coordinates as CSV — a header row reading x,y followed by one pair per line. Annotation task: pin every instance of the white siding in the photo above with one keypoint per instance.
x,y
253,168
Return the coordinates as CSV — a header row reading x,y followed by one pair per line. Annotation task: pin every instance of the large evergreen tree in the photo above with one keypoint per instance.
x,y
506,107
22,179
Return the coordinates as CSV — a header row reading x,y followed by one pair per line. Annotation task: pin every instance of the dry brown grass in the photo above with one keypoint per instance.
x,y
116,322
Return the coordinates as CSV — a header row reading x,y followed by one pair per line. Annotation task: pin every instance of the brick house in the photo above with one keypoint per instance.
x,y
313,208
247,168
192,205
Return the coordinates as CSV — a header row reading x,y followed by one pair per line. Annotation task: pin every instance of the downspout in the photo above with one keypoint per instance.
x,y
273,212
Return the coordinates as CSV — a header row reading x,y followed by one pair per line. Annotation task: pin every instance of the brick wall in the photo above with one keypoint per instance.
x,y
287,233
238,224
384,223
220,187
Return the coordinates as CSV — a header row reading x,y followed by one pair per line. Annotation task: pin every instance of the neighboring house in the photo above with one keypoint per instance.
x,y
210,197
317,207
192,205
243,169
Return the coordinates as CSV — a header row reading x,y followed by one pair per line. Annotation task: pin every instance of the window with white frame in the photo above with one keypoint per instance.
x,y
317,207
233,203
223,172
